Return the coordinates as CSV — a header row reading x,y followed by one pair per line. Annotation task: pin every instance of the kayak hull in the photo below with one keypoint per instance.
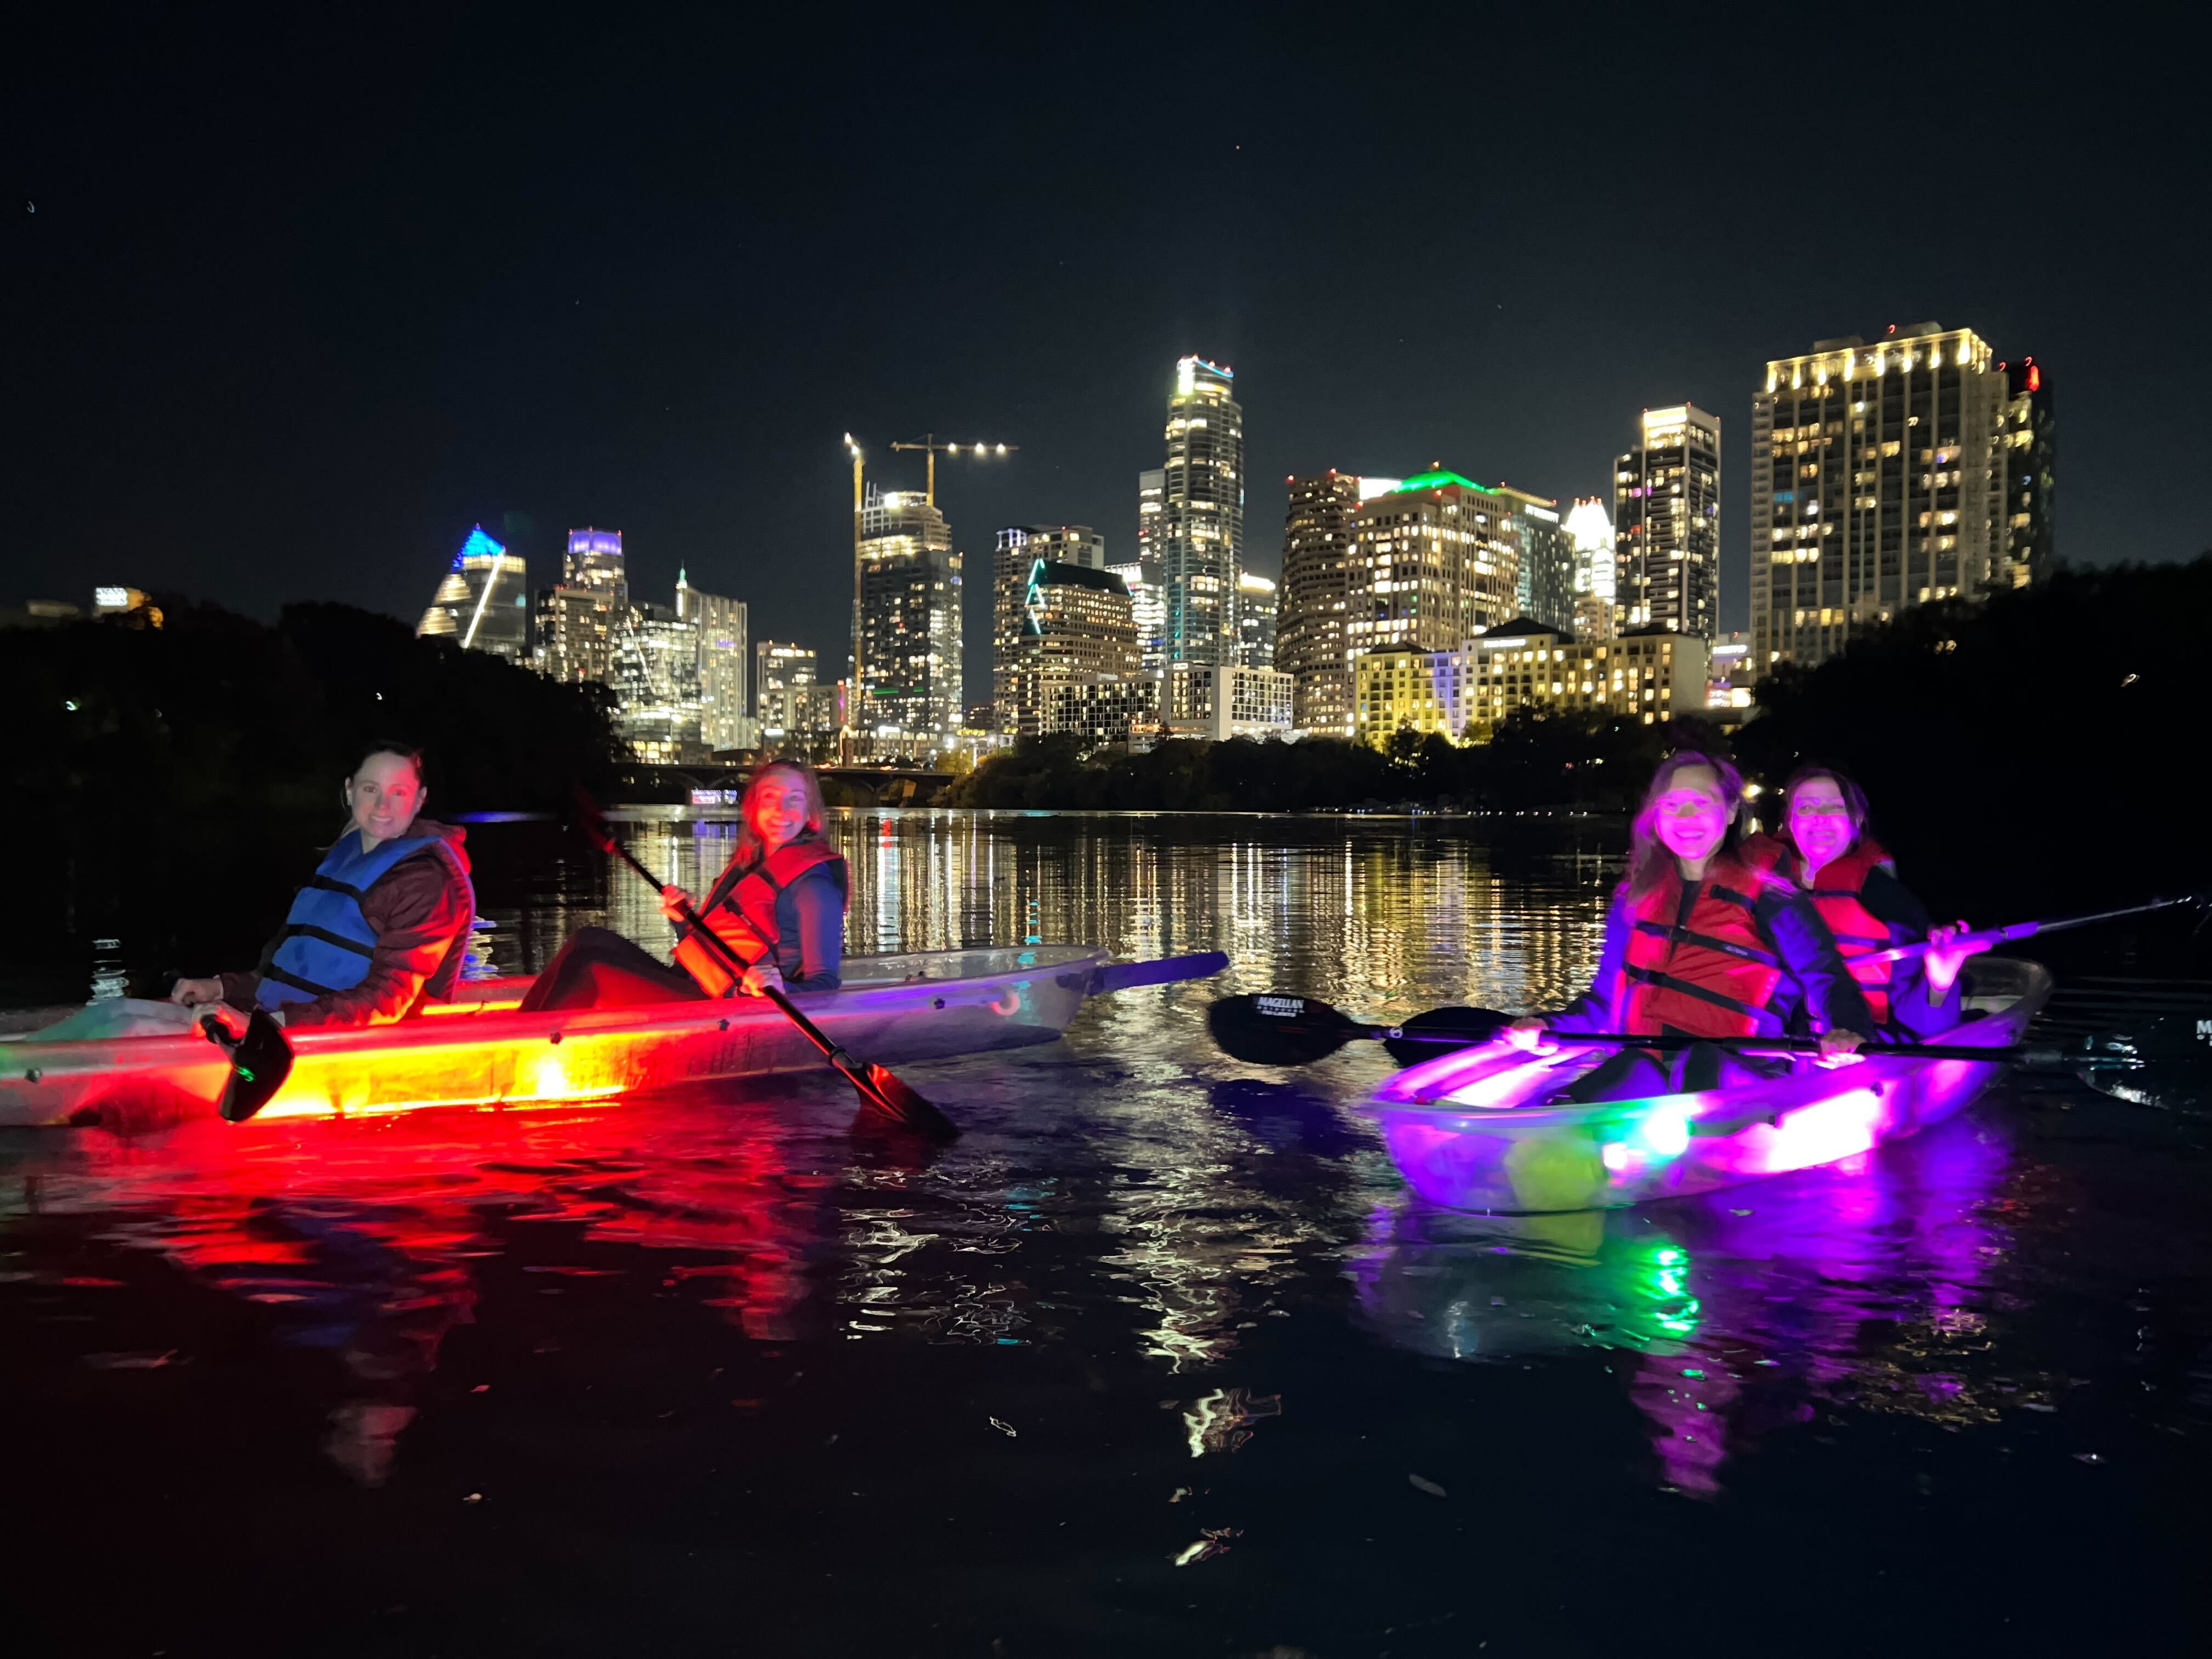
x,y
1459,1132
481,1051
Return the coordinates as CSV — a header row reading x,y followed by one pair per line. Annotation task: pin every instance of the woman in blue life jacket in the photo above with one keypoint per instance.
x,y
379,929
1700,943
778,904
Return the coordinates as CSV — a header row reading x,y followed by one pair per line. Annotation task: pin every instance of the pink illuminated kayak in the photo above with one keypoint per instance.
x,y
480,1050
1467,1132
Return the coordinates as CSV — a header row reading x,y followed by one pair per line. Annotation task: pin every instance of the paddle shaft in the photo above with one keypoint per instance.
x,y
2018,930
1734,1045
1808,1045
740,968
854,1071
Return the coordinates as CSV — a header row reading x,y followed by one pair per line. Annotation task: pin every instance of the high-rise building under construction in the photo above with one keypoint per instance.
x,y
910,627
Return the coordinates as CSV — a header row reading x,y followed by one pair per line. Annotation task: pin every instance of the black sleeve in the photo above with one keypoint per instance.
x,y
1886,897
1809,950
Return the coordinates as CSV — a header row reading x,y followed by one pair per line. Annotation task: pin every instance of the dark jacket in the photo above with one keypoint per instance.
x,y
420,910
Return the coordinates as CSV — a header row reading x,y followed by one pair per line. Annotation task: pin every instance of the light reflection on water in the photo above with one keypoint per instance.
x,y
1213,1253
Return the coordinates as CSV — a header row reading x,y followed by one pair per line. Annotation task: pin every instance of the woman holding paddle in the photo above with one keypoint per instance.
x,y
779,905
1701,943
1824,849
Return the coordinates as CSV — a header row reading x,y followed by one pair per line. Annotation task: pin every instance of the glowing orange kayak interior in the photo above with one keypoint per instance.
x,y
481,1050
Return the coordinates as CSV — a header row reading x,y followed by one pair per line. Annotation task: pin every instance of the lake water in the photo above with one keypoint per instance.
x,y
1158,1358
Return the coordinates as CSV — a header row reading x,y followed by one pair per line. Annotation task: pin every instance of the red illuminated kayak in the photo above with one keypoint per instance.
x,y
481,1050
1469,1129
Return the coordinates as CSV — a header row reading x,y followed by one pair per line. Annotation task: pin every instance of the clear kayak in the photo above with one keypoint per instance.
x,y
481,1050
1471,1130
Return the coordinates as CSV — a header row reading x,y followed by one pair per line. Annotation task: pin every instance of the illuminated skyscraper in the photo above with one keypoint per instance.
x,y
1020,546
577,621
1544,590
1256,620
1202,514
1148,604
1591,533
1310,637
1151,515
1878,481
2029,445
595,560
656,683
483,603
1667,524
910,621
789,700
725,719
1077,625
1433,562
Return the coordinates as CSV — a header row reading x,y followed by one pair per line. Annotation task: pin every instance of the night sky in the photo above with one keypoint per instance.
x,y
293,302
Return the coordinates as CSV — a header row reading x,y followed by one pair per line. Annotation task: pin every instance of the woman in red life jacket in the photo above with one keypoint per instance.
x,y
1824,850
778,904
1700,942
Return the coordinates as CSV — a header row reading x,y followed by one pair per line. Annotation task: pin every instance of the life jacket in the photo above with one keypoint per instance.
x,y
326,944
740,911
1709,973
1859,932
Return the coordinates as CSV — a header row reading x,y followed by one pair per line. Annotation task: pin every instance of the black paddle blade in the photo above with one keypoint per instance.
x,y
259,1062
1276,1030
900,1103
1458,1028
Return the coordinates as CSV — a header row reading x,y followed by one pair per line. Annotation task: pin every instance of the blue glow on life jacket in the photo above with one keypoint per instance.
x,y
326,944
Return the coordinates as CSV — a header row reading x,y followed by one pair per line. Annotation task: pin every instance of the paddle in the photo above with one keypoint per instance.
x,y
260,1061
1276,1030
2019,930
883,1090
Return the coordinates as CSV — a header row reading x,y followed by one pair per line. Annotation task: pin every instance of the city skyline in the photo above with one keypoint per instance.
x,y
409,343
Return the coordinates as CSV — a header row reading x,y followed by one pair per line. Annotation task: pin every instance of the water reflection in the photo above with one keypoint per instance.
x,y
1395,914
1864,1283
1128,1199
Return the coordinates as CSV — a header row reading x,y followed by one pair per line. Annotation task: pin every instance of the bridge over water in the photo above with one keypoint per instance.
x,y
841,786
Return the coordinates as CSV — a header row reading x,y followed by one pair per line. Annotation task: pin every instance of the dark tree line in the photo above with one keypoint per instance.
x,y
2027,753
1535,760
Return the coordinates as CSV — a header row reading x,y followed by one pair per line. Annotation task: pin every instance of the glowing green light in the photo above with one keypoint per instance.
x,y
1441,480
1668,1258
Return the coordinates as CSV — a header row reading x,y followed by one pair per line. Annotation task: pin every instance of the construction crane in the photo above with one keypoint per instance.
x,y
929,444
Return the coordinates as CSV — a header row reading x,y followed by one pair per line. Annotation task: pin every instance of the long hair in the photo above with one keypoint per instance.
x,y
1648,858
750,851
1855,800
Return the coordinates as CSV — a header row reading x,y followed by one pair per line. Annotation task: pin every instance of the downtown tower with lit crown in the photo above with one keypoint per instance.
x,y
1202,516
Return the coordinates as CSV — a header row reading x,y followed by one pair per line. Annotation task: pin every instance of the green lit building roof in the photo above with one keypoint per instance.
x,y
1438,481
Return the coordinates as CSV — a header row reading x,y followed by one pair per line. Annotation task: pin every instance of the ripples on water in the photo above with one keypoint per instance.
x,y
1158,1354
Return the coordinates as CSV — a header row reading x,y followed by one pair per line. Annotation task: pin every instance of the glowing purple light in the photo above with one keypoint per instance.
x,y
1458,1129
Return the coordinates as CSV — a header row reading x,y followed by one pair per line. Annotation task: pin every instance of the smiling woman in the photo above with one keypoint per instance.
x,y
1700,942
778,904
